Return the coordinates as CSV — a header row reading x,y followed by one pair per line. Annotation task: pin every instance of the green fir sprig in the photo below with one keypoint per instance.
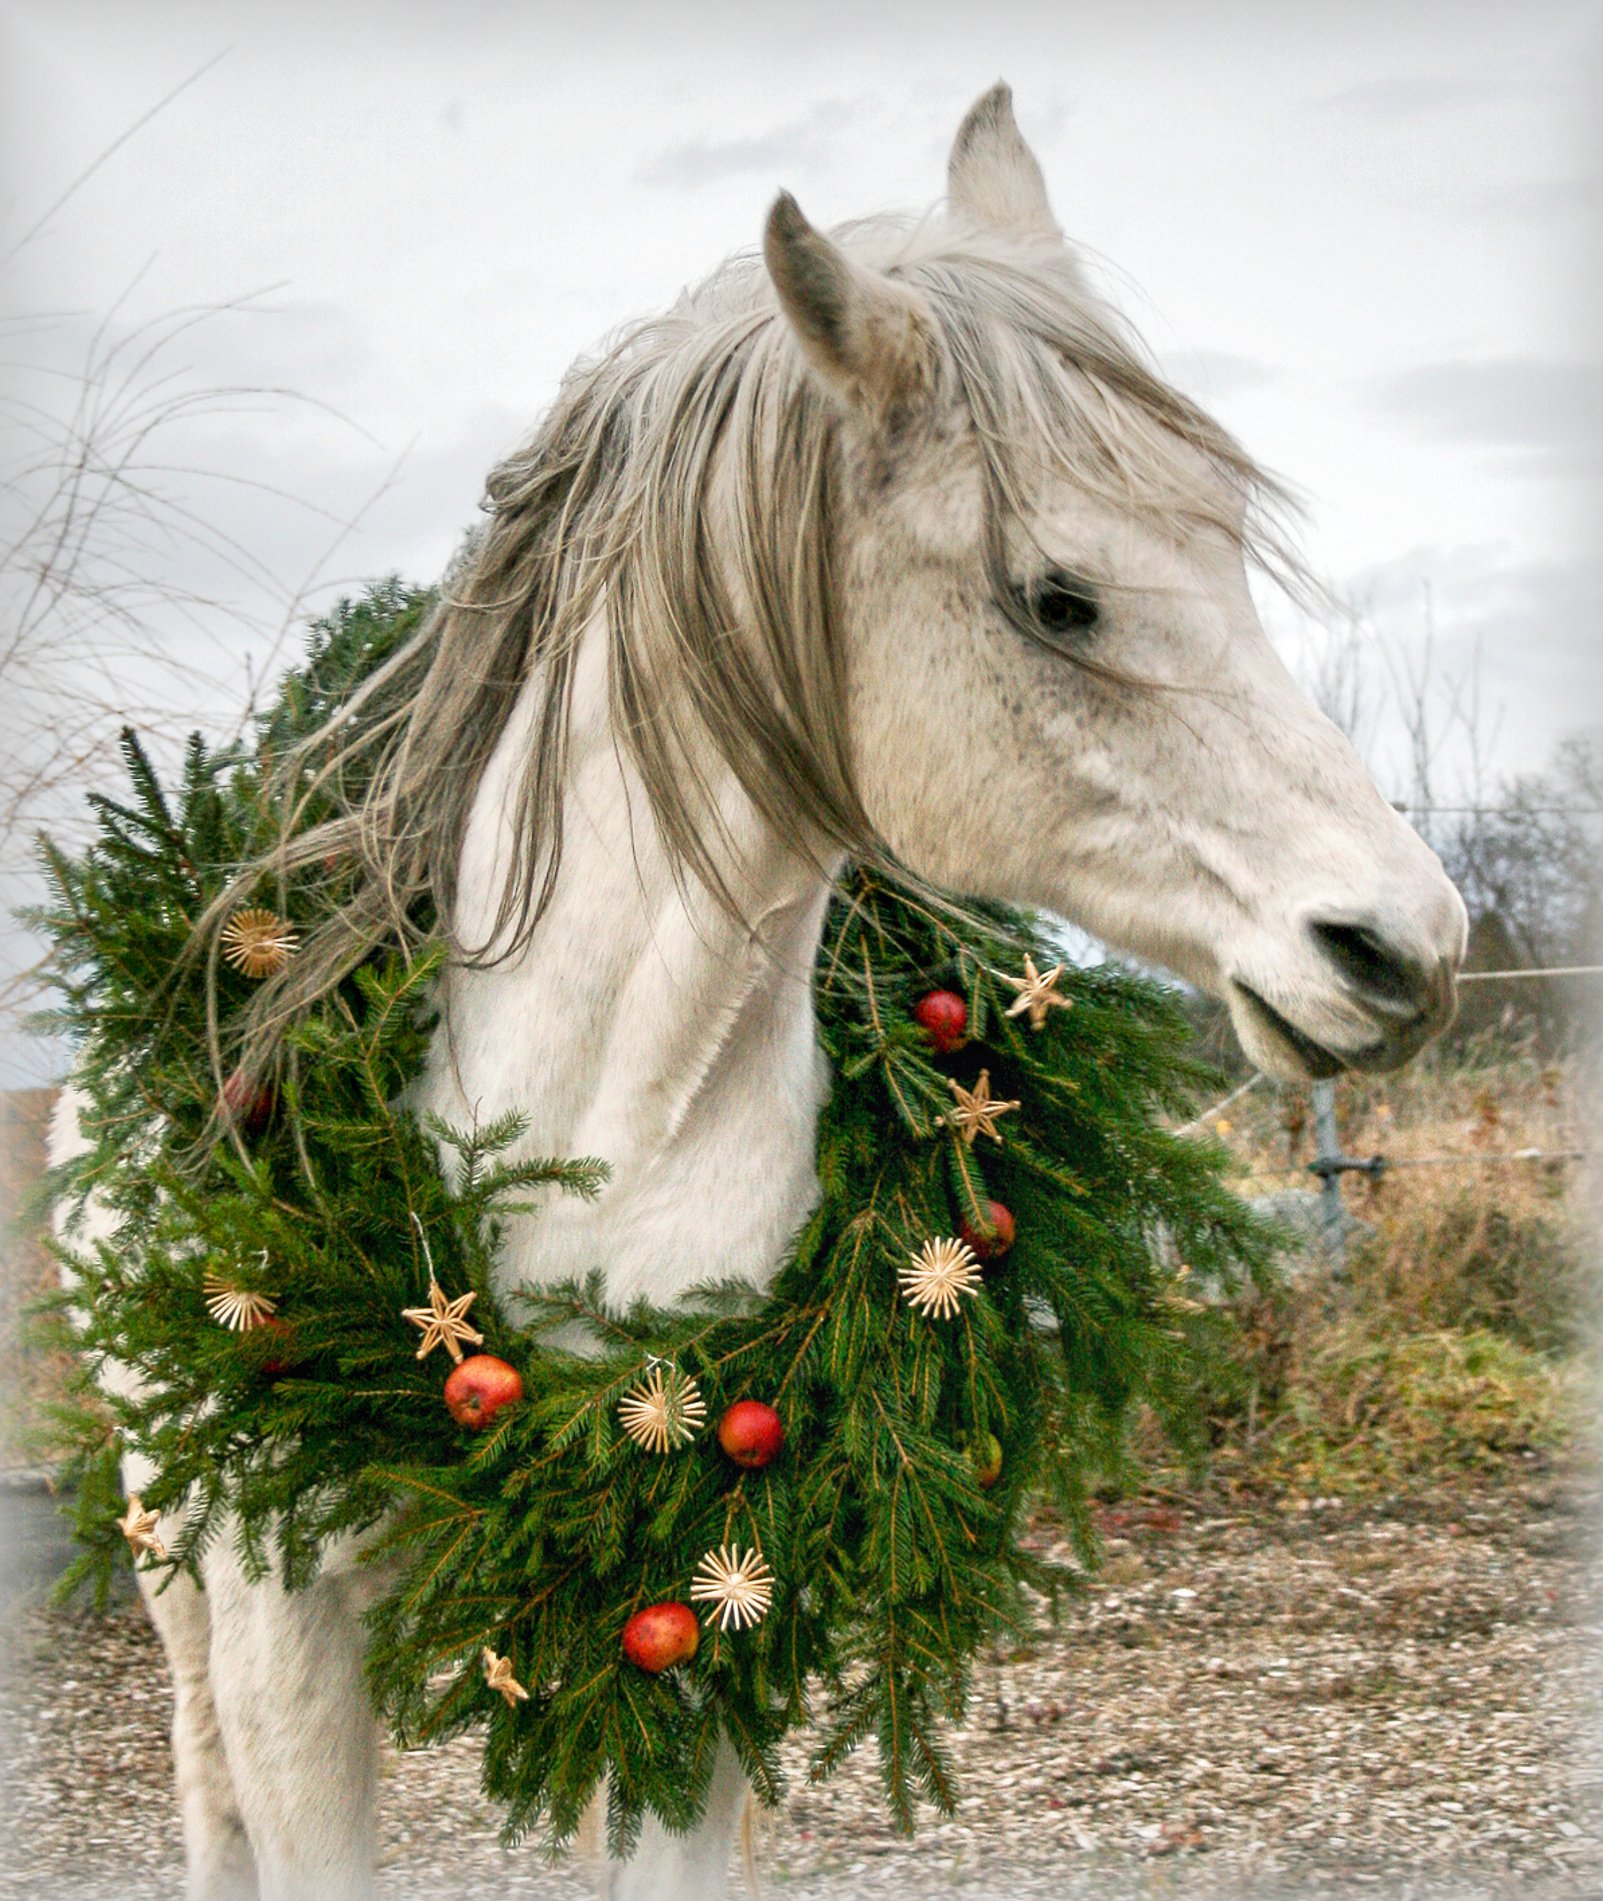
x,y
540,1537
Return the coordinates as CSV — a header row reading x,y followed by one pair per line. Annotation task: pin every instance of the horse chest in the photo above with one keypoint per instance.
x,y
702,1099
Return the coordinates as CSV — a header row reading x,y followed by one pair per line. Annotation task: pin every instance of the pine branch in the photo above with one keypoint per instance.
x,y
542,1534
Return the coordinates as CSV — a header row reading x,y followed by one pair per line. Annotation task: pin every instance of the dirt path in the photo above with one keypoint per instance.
x,y
1389,1699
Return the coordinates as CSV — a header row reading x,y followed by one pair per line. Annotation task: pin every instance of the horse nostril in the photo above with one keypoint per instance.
x,y
1381,973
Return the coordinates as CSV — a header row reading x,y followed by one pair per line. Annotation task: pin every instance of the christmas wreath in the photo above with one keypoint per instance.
x,y
833,1473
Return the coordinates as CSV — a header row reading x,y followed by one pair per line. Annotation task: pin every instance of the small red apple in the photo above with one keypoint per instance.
x,y
479,1388
987,1460
247,1102
751,1434
660,1636
943,1016
273,1342
992,1246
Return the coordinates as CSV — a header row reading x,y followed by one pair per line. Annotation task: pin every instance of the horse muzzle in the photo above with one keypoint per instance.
x,y
1383,998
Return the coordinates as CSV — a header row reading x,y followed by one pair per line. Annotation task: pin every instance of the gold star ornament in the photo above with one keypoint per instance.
x,y
444,1322
1037,994
498,1674
737,1585
139,1527
974,1112
939,1275
660,1414
236,1307
258,942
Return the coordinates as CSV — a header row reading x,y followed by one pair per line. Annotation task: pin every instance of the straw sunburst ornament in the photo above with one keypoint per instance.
x,y
236,1308
737,1585
660,1414
258,942
939,1275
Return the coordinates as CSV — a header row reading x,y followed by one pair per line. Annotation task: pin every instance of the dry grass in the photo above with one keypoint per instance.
x,y
1461,1332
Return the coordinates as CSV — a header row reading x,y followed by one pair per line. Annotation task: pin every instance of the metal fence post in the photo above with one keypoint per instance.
x,y
1329,1164
1334,1212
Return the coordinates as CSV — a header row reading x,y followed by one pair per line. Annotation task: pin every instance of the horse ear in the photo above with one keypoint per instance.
x,y
866,337
992,176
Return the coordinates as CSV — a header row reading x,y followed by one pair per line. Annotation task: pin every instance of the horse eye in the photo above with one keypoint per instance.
x,y
1060,605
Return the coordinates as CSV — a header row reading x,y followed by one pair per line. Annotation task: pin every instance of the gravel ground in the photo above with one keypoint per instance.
x,y
1397,1699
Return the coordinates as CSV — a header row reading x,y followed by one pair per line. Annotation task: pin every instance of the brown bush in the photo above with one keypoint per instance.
x,y
1460,1332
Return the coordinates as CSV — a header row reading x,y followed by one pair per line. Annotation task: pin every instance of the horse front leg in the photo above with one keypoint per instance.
x,y
218,1862
298,1726
691,1867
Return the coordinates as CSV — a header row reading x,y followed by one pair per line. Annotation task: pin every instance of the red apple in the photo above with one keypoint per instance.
x,y
479,1388
273,1342
943,1015
992,1246
660,1636
987,1460
247,1102
751,1434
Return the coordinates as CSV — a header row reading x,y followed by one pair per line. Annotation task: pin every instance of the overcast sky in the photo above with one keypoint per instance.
x,y
1364,235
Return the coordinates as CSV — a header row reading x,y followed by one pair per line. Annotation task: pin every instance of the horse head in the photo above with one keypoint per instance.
x,y
1058,690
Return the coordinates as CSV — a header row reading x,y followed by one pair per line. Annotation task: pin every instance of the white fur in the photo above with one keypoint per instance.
x,y
1203,827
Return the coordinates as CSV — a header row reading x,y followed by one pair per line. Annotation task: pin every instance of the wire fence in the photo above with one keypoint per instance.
x,y
1378,1166
1330,1163
1501,811
1516,976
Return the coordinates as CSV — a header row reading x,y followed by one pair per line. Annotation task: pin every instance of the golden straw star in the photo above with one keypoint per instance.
x,y
443,1323
937,1277
737,1584
661,1414
498,1674
975,1113
1037,994
139,1527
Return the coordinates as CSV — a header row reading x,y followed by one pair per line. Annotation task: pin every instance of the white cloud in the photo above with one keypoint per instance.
x,y
1502,403
803,141
1420,94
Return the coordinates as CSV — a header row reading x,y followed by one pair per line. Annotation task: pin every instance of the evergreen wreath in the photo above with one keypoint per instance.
x,y
260,1284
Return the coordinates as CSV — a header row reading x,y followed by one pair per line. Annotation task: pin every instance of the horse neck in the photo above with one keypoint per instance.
x,y
641,1025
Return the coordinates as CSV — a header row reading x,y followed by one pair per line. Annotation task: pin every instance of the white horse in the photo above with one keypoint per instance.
x,y
886,542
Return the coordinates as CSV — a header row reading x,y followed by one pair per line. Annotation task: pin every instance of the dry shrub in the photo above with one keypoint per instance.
x,y
1341,1402
1504,1251
1460,1335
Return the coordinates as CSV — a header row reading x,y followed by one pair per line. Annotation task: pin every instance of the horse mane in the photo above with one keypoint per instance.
x,y
687,482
